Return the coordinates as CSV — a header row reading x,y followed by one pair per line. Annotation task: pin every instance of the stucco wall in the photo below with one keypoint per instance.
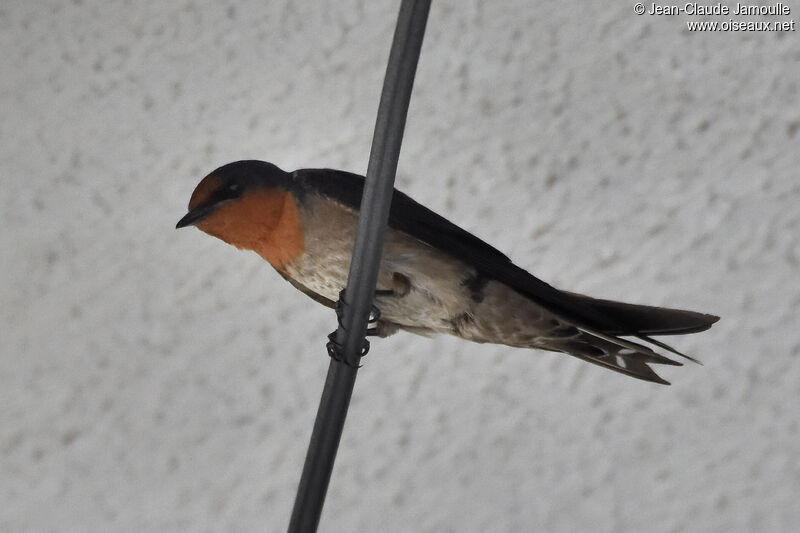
x,y
154,380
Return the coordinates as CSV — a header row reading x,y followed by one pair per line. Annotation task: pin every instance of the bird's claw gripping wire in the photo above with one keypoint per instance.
x,y
335,349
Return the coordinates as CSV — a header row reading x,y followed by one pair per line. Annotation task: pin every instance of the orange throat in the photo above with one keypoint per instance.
x,y
265,221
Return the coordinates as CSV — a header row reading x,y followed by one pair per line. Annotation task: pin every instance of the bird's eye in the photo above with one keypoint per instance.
x,y
233,189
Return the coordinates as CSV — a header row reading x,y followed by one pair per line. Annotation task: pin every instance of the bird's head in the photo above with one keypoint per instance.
x,y
250,205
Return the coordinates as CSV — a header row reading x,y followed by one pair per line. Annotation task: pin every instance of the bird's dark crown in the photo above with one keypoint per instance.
x,y
250,174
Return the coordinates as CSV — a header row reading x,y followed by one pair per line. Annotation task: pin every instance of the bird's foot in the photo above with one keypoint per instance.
x,y
336,349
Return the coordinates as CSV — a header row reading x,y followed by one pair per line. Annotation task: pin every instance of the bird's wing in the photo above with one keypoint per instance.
x,y
418,221
405,215
603,318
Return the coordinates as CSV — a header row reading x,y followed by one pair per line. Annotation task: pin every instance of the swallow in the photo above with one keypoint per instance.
x,y
434,277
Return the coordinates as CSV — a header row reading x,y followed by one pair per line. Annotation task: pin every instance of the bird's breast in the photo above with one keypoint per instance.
x,y
329,234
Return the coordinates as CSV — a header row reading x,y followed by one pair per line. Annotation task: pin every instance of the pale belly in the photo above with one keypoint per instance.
x,y
436,293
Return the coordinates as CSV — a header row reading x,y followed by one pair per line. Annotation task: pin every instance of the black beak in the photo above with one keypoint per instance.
x,y
195,215
219,198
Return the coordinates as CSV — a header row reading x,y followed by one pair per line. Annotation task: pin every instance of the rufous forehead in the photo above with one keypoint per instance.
x,y
203,191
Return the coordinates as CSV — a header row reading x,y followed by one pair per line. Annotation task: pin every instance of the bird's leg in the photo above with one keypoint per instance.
x,y
335,349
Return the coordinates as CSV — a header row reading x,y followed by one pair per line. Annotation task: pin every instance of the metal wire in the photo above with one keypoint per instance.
x,y
363,276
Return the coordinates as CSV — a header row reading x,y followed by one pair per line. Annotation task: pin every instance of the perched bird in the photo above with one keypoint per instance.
x,y
434,277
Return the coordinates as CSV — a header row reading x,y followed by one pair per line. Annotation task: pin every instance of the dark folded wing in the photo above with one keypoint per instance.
x,y
418,221
604,317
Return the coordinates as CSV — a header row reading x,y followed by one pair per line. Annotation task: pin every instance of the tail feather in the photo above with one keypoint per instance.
x,y
614,354
634,368
602,344
633,319
626,347
665,346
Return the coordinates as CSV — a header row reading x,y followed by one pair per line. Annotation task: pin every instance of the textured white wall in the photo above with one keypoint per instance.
x,y
154,380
